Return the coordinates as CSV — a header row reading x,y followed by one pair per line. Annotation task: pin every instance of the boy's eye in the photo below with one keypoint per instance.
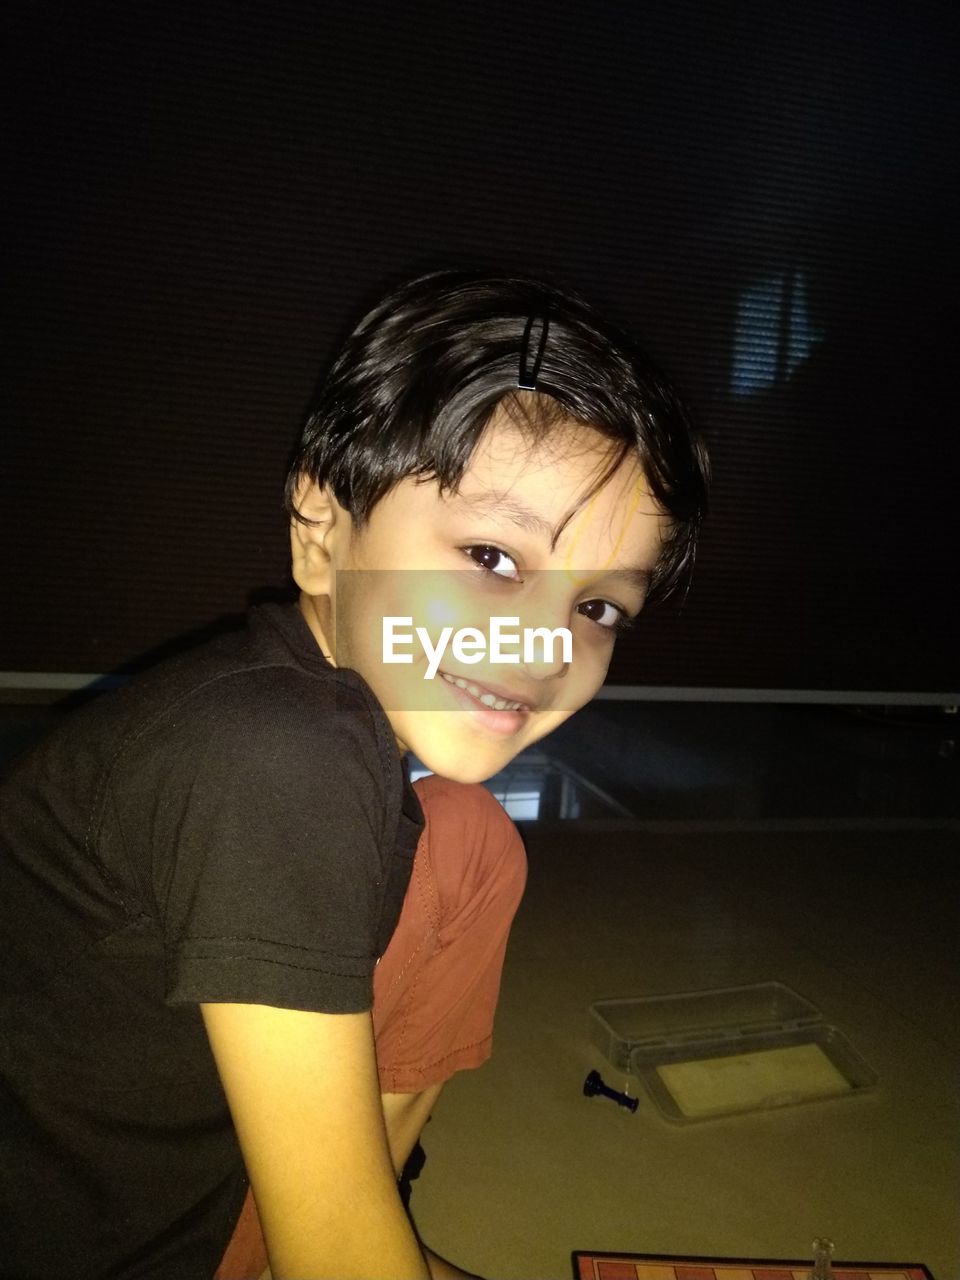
x,y
494,561
609,616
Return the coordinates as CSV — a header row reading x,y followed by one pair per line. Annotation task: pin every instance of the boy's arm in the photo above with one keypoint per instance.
x,y
305,1100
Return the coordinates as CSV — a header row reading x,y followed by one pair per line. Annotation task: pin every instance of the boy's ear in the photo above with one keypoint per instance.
x,y
311,544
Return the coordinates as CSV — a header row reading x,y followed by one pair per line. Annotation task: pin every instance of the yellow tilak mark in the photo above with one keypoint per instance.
x,y
631,512
583,520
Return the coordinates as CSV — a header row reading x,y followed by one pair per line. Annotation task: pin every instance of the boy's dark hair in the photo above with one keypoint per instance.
x,y
418,379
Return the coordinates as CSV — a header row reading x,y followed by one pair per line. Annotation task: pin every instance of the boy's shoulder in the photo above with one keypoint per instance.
x,y
272,659
259,693
266,696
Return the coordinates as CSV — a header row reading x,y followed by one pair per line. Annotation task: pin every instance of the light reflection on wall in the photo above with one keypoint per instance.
x,y
773,334
521,803
536,786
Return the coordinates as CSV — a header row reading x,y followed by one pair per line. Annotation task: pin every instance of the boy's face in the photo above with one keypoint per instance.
x,y
462,559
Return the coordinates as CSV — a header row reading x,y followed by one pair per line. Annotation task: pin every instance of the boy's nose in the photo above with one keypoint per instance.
x,y
548,639
545,667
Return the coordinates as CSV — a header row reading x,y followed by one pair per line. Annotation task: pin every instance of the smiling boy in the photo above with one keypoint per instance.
x,y
538,550
264,951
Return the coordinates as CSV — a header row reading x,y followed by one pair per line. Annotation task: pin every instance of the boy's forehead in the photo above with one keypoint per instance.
x,y
514,444
556,476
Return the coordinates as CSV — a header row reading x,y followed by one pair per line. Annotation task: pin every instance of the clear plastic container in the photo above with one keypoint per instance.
x,y
620,1026
707,1054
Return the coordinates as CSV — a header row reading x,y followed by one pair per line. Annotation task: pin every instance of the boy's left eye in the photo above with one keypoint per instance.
x,y
494,561
606,615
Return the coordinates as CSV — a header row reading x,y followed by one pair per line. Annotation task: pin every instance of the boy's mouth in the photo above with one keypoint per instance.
x,y
495,699
488,709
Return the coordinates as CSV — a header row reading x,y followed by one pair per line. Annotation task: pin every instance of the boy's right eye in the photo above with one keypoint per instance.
x,y
492,560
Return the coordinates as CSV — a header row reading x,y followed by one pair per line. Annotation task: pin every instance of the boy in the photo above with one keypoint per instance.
x,y
239,943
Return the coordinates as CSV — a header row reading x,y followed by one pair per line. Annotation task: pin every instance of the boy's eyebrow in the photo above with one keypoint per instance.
x,y
517,512
639,578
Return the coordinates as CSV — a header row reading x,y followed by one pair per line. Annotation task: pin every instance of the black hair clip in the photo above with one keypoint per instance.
x,y
527,379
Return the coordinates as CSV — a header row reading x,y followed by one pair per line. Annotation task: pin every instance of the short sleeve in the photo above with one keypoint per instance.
x,y
271,849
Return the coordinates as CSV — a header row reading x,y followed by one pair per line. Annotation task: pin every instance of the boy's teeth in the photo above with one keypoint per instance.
x,y
488,699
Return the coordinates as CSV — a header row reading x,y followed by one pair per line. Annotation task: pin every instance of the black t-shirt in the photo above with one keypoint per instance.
x,y
236,825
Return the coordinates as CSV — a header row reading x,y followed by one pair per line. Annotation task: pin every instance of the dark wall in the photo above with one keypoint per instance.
x,y
199,196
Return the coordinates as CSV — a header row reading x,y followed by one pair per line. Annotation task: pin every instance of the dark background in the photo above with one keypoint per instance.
x,y
199,197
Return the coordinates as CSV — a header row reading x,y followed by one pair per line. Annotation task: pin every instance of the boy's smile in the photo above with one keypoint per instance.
x,y
458,560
